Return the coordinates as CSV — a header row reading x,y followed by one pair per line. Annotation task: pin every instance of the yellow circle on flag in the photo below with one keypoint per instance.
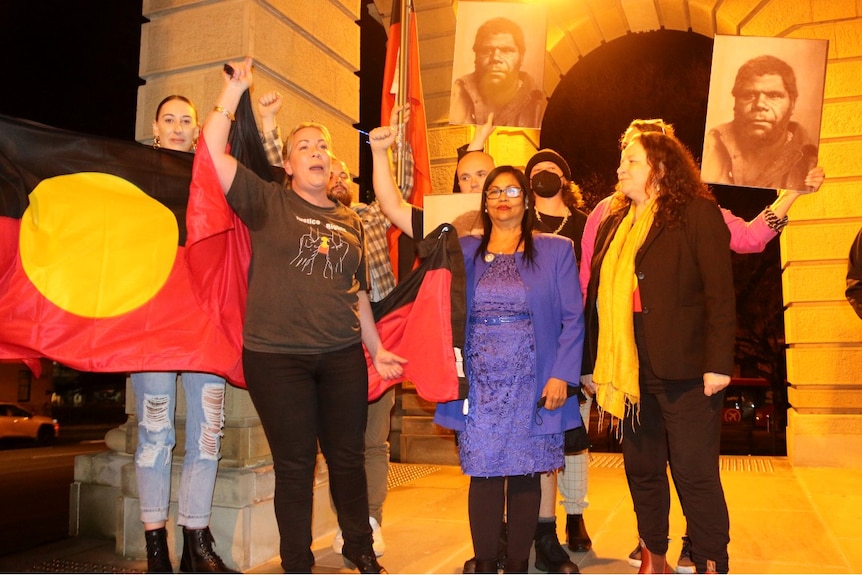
x,y
95,244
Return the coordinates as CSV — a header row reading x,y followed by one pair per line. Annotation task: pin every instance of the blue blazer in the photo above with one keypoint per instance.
x,y
556,309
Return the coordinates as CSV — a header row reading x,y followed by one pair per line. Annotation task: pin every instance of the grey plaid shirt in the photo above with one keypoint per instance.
x,y
377,249
376,245
273,145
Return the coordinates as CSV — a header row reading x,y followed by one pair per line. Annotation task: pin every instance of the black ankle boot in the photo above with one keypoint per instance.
x,y
517,566
198,553
365,561
158,557
576,534
502,551
551,557
486,566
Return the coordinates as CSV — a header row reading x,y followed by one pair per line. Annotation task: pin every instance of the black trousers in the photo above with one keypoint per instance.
x,y
303,400
516,498
677,424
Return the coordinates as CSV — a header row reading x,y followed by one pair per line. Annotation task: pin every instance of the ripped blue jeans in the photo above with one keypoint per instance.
x,y
155,406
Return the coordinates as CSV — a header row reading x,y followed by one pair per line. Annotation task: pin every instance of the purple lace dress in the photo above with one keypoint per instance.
x,y
498,440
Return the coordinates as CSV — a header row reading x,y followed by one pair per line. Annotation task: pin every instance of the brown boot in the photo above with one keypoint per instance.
x,y
653,562
199,555
576,534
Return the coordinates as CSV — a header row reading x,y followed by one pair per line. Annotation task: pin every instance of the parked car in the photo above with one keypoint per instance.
x,y
739,406
16,422
747,401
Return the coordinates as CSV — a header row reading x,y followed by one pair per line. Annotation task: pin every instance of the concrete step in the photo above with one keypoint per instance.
x,y
412,404
429,449
422,425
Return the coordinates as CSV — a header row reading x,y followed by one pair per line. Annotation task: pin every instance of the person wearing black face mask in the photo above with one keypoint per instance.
x,y
558,199
557,203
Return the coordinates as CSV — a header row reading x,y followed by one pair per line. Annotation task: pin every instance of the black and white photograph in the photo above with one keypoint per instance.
x,y
764,111
498,65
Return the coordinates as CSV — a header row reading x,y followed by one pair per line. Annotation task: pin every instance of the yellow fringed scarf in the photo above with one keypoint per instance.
x,y
616,370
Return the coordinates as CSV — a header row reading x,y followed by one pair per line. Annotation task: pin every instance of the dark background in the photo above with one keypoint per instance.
x,y
72,65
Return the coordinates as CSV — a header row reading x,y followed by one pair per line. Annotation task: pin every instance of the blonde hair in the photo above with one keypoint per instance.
x,y
639,126
291,137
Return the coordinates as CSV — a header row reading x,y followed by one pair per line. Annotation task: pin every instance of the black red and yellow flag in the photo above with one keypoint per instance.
x,y
422,319
93,269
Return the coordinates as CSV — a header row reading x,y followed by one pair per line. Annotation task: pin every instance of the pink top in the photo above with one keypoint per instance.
x,y
745,237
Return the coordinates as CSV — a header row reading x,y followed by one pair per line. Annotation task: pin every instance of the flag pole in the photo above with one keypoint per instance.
x,y
401,95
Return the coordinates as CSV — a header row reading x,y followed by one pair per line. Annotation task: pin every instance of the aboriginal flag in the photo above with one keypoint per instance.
x,y
423,318
93,270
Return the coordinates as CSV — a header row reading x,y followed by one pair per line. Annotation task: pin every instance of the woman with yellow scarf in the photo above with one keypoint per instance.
x,y
661,298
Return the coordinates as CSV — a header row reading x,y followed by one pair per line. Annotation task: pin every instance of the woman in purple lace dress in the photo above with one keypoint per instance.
x,y
522,349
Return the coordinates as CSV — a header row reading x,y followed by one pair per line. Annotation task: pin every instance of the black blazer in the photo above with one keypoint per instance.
x,y
686,288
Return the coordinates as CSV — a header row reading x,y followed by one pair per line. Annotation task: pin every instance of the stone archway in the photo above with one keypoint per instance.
x,y
824,337
659,74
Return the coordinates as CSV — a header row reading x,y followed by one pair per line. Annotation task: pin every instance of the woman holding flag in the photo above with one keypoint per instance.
x,y
308,316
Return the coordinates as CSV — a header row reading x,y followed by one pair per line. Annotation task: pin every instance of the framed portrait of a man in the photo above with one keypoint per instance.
x,y
499,64
764,111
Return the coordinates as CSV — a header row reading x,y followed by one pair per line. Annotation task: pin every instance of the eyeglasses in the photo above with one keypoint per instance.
x,y
511,192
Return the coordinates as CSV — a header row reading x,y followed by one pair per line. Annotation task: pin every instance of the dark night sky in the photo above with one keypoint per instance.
x,y
72,65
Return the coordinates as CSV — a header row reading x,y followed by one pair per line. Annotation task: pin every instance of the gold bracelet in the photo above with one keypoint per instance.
x,y
227,113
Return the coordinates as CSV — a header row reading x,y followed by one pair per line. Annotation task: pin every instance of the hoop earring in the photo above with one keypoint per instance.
x,y
195,146
157,142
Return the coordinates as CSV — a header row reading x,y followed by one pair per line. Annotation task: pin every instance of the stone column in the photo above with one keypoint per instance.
x,y
308,51
824,336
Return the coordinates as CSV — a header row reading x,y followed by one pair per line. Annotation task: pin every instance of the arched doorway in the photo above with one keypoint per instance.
x,y
662,74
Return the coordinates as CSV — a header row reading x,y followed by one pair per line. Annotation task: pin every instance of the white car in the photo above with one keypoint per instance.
x,y
17,422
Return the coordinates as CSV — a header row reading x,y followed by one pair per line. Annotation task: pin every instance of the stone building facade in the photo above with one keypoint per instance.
x,y
309,51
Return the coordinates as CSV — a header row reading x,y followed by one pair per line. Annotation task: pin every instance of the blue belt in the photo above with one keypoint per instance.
x,y
500,319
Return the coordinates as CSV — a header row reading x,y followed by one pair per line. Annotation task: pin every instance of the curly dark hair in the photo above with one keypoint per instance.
x,y
761,66
573,198
674,176
500,25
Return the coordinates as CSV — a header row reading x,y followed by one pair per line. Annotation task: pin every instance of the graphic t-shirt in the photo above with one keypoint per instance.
x,y
307,266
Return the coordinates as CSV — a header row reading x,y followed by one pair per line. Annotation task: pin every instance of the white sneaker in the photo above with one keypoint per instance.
x,y
379,544
338,542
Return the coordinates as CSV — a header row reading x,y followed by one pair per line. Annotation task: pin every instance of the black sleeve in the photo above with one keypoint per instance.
x,y
854,275
418,223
